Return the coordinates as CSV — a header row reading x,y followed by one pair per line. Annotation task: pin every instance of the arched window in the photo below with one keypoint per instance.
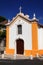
x,y
19,29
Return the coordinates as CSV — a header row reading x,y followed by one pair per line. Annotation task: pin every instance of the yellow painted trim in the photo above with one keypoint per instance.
x,y
30,52
40,52
27,52
8,51
33,52
34,36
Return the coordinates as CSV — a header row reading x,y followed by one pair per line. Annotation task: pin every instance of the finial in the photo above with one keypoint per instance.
x,y
20,9
34,15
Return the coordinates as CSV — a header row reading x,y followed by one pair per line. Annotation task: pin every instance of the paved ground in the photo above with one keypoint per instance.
x,y
21,62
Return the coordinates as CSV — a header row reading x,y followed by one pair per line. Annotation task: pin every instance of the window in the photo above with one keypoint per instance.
x,y
19,29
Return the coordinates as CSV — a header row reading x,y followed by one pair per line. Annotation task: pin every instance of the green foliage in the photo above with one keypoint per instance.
x,y
2,26
2,19
2,34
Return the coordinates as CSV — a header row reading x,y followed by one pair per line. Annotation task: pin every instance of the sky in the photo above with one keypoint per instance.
x,y
10,8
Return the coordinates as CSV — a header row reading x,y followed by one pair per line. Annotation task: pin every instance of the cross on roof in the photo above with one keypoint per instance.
x,y
20,9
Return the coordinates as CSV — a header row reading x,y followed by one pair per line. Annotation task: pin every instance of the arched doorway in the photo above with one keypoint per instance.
x,y
19,46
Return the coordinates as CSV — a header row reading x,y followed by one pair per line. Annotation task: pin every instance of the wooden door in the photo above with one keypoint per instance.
x,y
20,46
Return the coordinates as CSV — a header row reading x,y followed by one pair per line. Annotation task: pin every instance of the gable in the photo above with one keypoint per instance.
x,y
19,18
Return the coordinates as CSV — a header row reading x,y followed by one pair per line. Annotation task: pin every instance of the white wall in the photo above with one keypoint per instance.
x,y
26,34
40,38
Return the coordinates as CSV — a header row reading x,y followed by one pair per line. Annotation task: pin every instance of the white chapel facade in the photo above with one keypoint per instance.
x,y
24,36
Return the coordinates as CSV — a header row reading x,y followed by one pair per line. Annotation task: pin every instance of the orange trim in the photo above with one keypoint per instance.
x,y
27,52
40,52
34,36
8,51
30,52
34,52
7,36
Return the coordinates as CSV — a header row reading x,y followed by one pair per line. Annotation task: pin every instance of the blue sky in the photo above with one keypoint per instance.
x,y
9,8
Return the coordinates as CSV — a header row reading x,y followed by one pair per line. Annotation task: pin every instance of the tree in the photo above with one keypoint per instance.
x,y
2,19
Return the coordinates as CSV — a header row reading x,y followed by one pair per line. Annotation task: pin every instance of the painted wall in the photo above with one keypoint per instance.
x,y
40,38
31,34
26,34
